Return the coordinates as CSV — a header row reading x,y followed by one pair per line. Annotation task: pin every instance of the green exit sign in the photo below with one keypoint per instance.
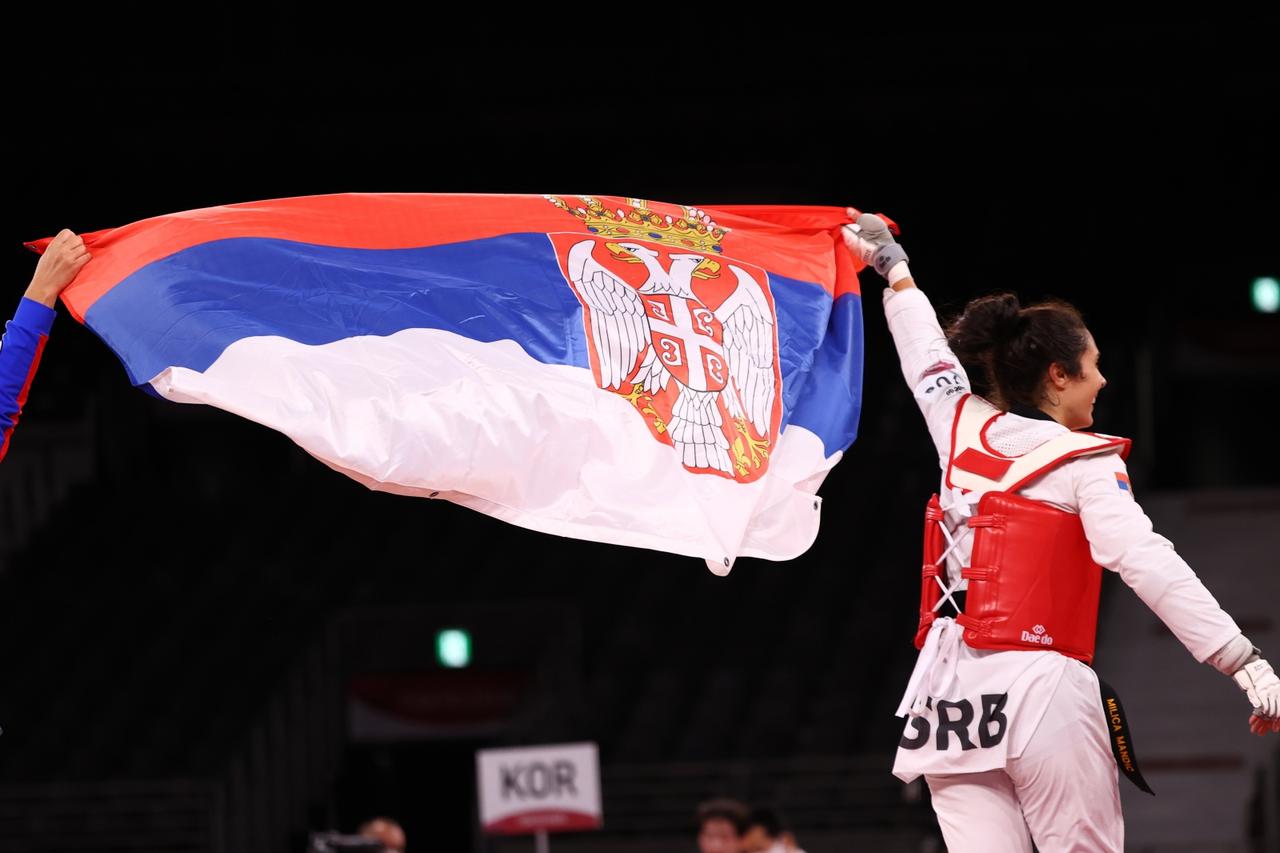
x,y
453,648
1266,295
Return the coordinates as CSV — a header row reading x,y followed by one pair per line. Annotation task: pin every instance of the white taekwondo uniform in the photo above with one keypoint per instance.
x,y
1024,750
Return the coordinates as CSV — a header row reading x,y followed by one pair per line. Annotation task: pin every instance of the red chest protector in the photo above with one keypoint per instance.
x,y
1032,582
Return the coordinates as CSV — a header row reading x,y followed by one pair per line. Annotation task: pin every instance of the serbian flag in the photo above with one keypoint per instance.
x,y
611,369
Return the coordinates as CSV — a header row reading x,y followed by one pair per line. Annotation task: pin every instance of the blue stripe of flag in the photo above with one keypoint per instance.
x,y
185,309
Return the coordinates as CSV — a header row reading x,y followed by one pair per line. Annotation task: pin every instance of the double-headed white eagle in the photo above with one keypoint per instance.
x,y
646,336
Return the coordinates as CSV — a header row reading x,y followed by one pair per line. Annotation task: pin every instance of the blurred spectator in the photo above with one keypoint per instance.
x,y
767,832
721,823
385,831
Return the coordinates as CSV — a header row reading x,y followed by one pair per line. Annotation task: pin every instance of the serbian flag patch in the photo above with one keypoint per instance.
x,y
1122,481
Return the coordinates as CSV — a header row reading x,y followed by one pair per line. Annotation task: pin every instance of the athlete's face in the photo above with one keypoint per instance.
x,y
1078,394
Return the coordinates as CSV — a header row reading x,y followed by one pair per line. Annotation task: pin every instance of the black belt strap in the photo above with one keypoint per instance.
x,y
1121,737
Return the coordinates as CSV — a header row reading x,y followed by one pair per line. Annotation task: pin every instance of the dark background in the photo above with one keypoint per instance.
x,y
1131,173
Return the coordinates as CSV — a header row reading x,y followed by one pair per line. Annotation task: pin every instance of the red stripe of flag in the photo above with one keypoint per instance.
x,y
416,220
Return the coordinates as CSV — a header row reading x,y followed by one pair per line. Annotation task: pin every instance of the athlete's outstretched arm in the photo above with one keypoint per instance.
x,y
1121,538
25,335
931,370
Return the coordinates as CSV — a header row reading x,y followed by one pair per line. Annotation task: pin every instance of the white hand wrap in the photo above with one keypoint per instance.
x,y
1260,684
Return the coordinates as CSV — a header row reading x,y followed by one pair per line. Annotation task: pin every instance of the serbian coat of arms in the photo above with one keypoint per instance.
x,y
683,332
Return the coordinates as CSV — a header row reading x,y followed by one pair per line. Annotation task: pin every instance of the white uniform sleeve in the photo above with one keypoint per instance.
x,y
932,371
1122,539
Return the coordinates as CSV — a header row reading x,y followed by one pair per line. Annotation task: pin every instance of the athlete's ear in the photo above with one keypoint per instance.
x,y
1058,377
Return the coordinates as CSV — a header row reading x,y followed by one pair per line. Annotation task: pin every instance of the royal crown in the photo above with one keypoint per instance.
x,y
694,230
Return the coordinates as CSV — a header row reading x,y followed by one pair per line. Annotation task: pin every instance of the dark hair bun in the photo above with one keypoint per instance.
x,y
1011,347
987,323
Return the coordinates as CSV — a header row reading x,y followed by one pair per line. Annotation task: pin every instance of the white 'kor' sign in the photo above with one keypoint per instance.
x,y
539,789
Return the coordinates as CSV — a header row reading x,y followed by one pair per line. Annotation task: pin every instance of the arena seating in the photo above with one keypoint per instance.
x,y
164,623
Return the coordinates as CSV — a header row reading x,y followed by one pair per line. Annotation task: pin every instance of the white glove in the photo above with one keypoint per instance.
x,y
1259,682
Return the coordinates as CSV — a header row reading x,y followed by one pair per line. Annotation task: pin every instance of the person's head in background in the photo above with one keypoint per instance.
x,y
385,831
767,832
721,823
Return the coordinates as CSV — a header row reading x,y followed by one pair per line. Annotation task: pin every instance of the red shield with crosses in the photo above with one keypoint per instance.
x,y
667,328
689,339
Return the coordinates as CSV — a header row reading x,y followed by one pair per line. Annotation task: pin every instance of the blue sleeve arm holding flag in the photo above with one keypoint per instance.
x,y
20,348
